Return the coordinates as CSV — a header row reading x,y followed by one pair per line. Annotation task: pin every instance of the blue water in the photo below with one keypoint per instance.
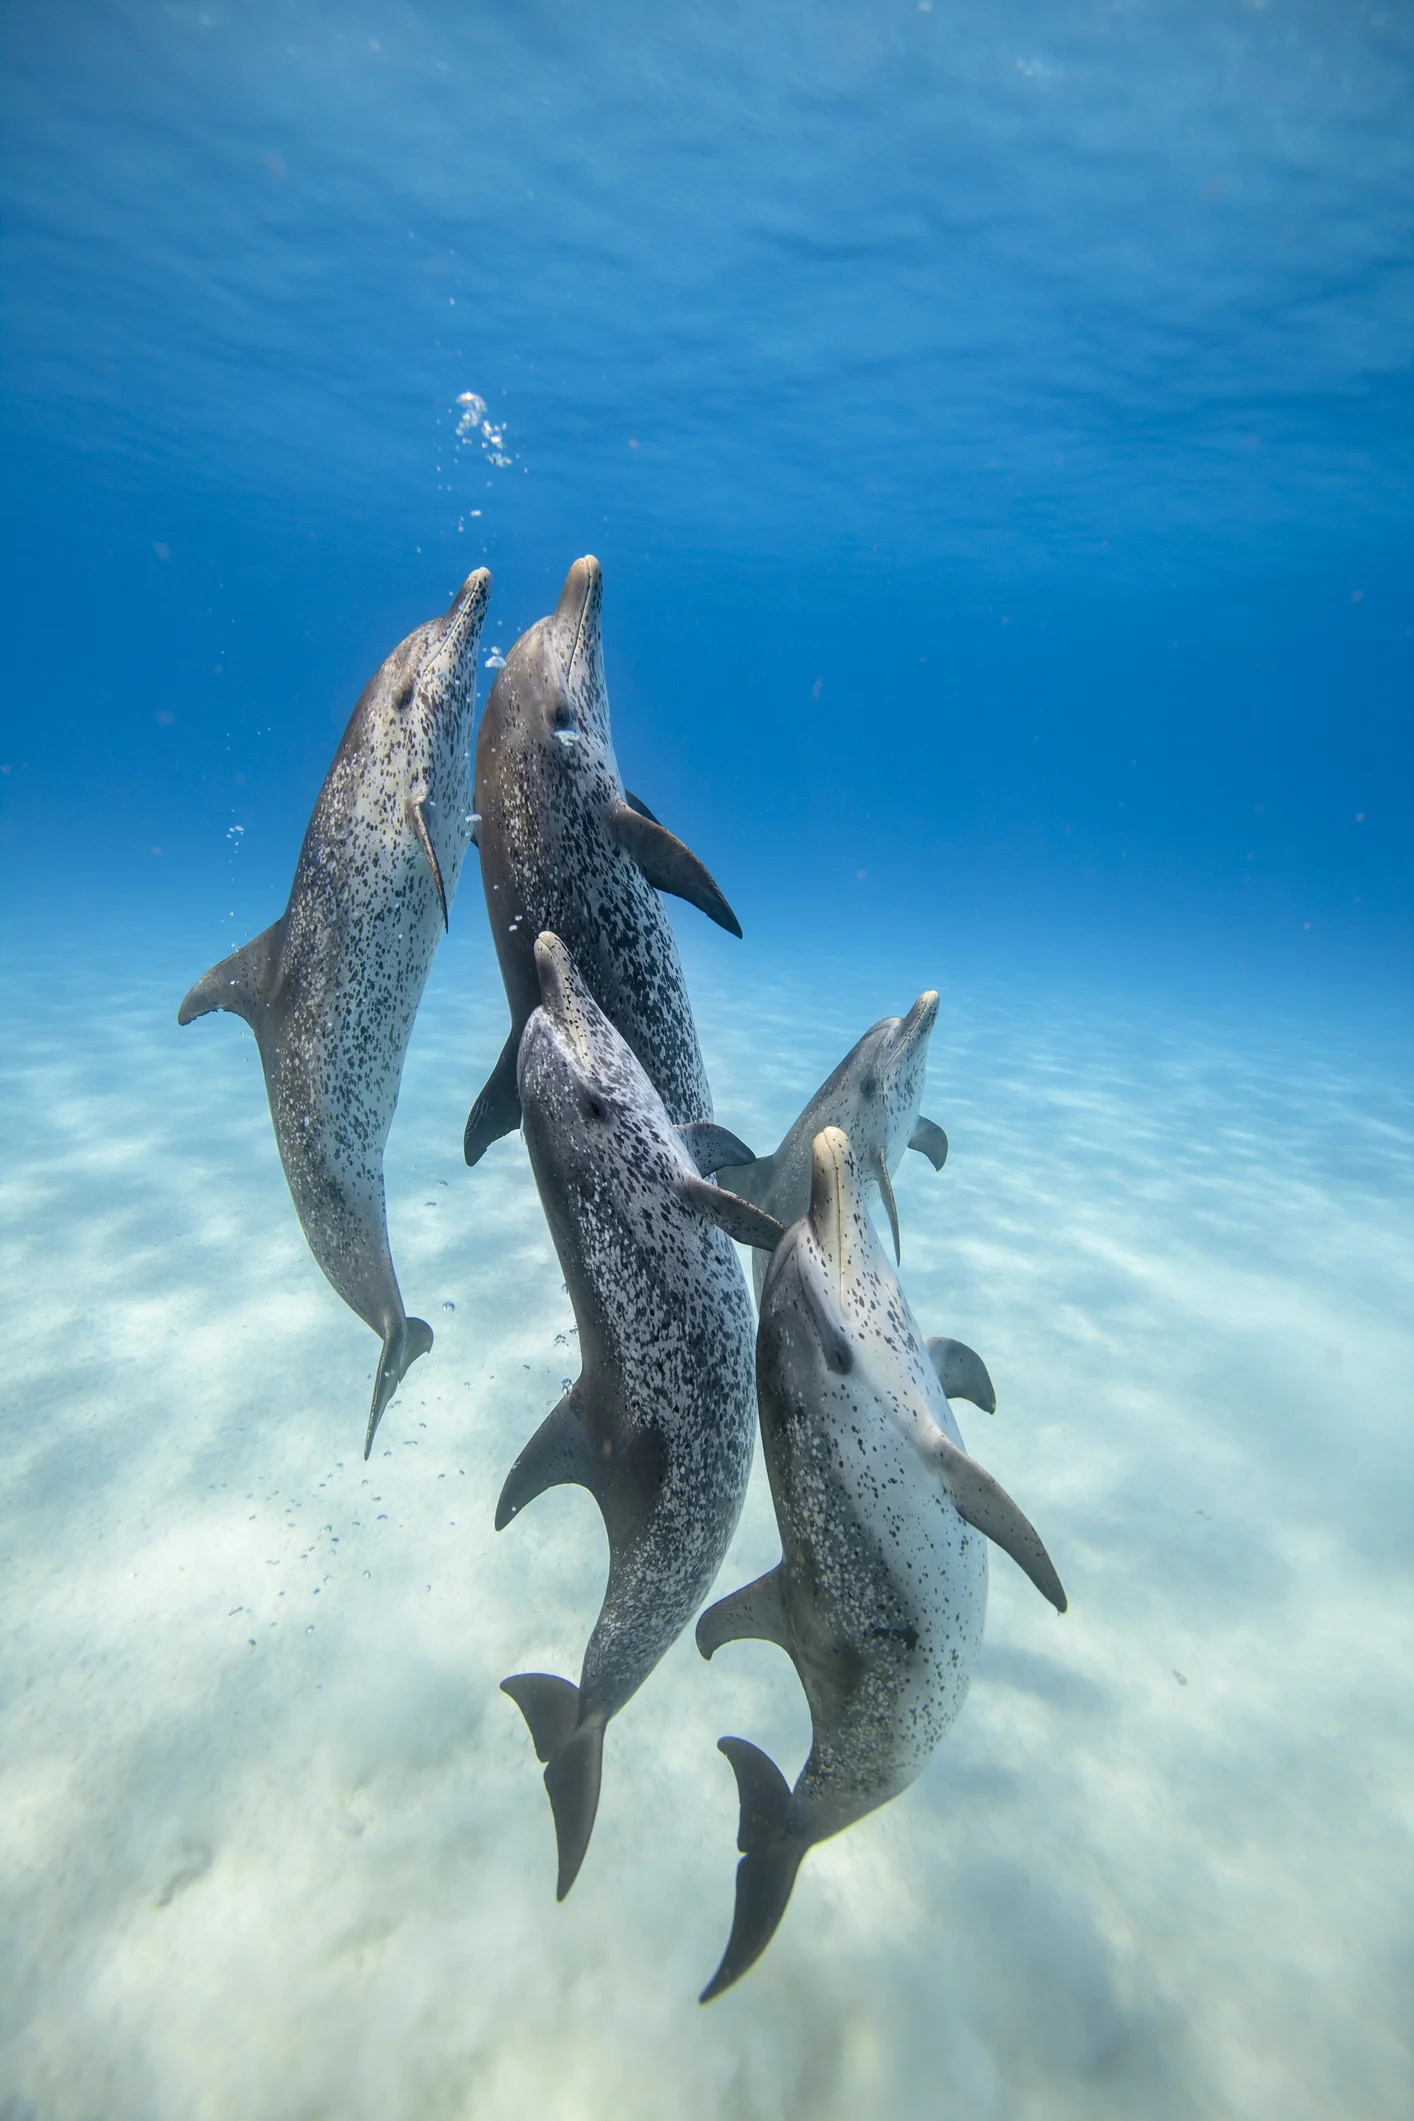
x,y
995,427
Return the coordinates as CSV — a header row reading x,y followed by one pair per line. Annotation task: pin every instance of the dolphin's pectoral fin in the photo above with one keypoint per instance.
x,y
961,1373
769,1861
245,982
886,1192
636,802
929,1140
985,1504
418,823
402,1346
497,1109
741,1219
573,1753
710,1147
557,1456
755,1613
669,865
749,1181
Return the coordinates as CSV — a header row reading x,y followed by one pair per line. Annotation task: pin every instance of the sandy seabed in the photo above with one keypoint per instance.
x,y
273,1844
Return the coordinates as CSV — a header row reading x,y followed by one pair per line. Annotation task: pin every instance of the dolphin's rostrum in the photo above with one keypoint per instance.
x,y
881,1590
565,849
658,1425
331,990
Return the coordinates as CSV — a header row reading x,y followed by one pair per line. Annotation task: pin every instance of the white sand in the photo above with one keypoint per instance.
x,y
273,1845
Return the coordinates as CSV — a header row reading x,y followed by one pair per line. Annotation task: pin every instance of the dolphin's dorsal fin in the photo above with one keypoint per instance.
x,y
557,1456
636,802
669,865
985,1504
710,1147
961,1372
246,982
929,1140
881,1172
424,840
755,1613
741,1219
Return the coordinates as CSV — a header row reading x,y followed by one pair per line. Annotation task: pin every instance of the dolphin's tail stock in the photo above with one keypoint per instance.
x,y
497,1108
770,1859
573,1753
402,1344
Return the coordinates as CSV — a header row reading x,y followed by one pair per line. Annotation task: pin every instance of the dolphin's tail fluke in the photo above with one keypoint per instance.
x,y
573,1753
401,1347
770,1859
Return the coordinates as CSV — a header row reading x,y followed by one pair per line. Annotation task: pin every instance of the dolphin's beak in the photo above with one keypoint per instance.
x,y
918,1024
577,613
554,968
461,627
564,997
833,1190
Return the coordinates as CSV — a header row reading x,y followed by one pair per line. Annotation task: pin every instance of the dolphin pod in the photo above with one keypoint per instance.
x,y
880,1595
331,990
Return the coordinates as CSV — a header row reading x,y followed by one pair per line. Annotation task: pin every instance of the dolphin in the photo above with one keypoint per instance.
x,y
873,1096
331,990
659,1424
564,848
881,1590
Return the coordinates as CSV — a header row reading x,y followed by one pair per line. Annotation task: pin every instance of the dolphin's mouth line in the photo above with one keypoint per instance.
x,y
578,641
839,1234
917,1024
459,625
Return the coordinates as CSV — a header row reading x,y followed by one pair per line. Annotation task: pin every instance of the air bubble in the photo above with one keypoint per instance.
x,y
449,1307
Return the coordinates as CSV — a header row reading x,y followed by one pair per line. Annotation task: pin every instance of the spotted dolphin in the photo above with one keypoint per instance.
x,y
659,1424
564,848
881,1590
873,1096
332,988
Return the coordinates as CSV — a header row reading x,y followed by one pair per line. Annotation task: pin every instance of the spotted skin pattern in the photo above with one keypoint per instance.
x,y
881,1591
547,788
874,1096
665,1399
883,1585
331,990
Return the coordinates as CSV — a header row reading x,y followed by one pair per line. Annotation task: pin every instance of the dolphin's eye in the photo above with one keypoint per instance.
x,y
839,1355
869,1087
592,1105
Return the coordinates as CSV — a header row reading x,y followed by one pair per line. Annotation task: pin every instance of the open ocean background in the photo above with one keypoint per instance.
x,y
995,426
